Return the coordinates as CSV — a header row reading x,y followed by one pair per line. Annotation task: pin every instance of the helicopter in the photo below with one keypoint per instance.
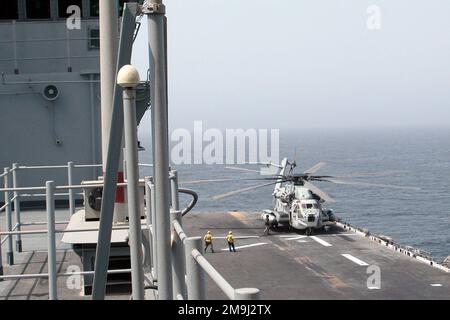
x,y
297,202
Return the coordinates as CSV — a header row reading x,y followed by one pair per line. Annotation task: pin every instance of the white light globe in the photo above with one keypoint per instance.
x,y
128,77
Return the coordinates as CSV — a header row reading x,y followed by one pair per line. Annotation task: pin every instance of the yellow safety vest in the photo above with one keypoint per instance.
x,y
208,238
230,238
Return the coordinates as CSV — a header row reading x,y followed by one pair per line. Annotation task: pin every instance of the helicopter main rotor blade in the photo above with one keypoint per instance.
x,y
322,194
235,192
243,169
369,174
213,180
315,168
367,184
229,180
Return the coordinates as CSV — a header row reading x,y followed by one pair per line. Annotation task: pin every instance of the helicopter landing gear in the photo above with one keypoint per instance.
x,y
308,231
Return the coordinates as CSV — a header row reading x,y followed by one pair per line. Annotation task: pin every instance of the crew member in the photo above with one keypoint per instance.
x,y
208,241
267,225
230,240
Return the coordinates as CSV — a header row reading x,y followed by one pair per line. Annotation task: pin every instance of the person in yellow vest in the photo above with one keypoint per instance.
x,y
208,241
230,240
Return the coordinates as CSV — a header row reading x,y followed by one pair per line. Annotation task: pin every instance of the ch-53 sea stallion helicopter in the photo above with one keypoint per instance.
x,y
298,204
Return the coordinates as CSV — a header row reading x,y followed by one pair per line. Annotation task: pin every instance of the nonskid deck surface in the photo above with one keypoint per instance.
x,y
283,265
327,265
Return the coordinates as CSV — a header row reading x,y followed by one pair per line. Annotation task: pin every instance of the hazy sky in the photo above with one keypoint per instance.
x,y
305,63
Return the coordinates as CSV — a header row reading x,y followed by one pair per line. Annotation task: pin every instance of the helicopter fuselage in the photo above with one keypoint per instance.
x,y
299,208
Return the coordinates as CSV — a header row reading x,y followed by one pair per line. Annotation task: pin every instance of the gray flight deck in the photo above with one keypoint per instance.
x,y
283,265
313,268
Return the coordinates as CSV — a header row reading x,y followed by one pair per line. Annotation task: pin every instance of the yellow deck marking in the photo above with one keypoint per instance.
x,y
238,215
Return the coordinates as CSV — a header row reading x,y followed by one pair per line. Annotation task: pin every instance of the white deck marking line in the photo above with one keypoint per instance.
x,y
247,246
302,241
322,242
288,236
354,259
239,237
436,285
296,238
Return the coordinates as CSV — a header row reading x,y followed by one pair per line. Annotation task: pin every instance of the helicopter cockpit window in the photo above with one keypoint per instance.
x,y
307,206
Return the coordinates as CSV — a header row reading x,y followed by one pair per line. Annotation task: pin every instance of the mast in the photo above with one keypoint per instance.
x,y
155,11
109,34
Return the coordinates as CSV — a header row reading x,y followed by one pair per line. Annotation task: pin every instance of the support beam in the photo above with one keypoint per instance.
x,y
108,20
113,159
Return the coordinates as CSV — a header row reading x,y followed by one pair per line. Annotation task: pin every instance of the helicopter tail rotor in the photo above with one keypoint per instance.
x,y
367,184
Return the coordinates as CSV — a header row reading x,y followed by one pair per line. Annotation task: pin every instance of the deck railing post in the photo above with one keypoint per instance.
x,y
70,167
174,190
246,294
17,206
51,241
178,259
195,276
154,229
1,259
148,213
8,214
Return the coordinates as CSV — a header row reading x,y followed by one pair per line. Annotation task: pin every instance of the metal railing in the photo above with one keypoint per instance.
x,y
189,266
11,174
51,232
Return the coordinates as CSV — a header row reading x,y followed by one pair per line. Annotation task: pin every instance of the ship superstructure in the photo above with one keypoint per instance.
x,y
50,87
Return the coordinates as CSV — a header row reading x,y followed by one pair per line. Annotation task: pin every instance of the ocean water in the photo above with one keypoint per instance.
x,y
418,157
